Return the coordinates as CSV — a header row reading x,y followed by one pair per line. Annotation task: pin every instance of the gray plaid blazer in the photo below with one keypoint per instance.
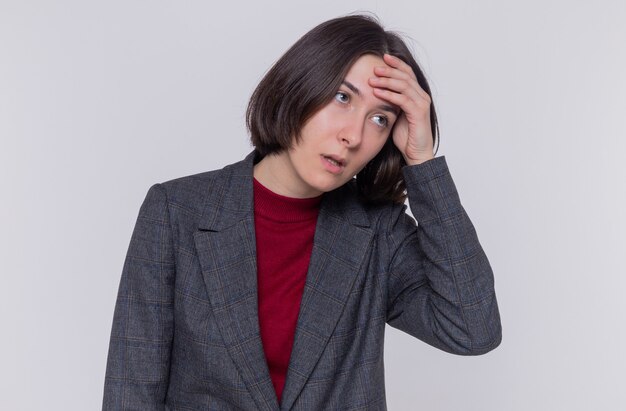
x,y
185,330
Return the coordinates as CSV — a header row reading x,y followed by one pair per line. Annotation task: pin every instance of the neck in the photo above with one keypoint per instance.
x,y
276,173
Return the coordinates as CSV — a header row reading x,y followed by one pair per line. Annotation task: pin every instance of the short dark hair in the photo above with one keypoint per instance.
x,y
307,77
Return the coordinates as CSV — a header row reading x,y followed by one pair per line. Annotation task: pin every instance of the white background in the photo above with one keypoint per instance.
x,y
100,100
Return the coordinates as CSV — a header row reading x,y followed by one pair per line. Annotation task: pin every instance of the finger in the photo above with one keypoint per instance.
x,y
398,63
391,72
399,86
388,71
411,107
396,86
411,89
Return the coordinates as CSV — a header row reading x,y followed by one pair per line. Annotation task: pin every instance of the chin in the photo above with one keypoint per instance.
x,y
326,186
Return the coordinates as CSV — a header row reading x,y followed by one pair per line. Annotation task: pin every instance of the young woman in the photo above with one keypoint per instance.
x,y
267,284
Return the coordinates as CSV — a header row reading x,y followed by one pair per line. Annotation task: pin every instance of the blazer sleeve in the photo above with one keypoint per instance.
x,y
138,362
440,285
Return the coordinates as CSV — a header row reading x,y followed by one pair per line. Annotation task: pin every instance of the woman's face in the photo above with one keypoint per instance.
x,y
338,140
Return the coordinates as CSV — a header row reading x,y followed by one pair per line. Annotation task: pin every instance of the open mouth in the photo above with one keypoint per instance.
x,y
333,161
333,164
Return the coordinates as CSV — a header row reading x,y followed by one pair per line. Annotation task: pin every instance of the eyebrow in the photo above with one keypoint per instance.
x,y
357,92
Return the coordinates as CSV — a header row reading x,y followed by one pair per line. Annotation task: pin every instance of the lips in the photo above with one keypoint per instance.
x,y
335,160
333,164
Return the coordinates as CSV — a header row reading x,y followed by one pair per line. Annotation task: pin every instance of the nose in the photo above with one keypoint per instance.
x,y
351,133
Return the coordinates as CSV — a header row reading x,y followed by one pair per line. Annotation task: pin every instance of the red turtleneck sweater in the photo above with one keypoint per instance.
x,y
284,240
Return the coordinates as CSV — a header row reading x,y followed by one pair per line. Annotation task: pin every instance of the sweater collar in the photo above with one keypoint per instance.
x,y
229,198
282,209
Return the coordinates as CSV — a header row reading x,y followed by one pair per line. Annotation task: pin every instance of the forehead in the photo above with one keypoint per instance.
x,y
357,80
364,66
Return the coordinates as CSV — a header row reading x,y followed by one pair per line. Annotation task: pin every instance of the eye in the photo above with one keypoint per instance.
x,y
342,97
381,121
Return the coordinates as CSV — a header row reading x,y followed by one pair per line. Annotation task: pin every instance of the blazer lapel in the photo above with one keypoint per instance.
x,y
342,239
226,248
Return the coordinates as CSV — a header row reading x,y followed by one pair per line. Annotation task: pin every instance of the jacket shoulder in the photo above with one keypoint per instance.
x,y
190,193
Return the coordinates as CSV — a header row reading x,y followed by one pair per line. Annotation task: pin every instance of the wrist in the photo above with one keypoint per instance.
x,y
418,160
